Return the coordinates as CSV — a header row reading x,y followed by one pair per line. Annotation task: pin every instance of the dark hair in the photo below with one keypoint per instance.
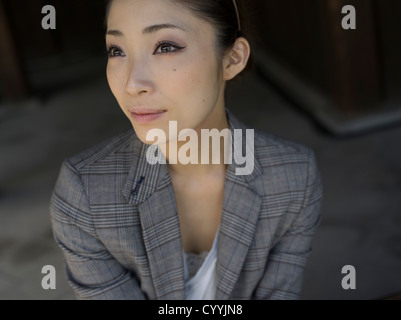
x,y
223,15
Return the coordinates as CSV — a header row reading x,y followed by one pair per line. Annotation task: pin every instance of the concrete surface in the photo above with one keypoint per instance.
x,y
361,175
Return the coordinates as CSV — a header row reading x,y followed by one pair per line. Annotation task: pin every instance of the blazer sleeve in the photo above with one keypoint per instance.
x,y
91,270
284,269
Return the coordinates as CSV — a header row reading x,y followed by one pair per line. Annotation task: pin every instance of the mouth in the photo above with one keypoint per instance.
x,y
146,115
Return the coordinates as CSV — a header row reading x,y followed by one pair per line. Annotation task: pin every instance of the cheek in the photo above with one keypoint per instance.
x,y
116,88
194,89
111,79
194,80
115,83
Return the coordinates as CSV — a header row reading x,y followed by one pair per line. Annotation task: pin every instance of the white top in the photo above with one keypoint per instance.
x,y
203,285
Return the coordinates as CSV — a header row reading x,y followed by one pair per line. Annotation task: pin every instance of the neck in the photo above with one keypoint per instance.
x,y
198,149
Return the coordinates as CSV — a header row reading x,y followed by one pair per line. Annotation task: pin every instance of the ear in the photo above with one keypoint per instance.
x,y
236,59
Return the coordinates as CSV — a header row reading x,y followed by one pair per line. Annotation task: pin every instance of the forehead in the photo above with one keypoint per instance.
x,y
136,15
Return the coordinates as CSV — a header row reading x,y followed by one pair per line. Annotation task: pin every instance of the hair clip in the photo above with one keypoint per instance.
x,y
238,17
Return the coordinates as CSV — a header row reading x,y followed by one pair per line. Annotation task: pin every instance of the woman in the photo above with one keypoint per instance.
x,y
132,229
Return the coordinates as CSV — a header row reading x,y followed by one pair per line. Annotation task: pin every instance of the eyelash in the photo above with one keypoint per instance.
x,y
167,44
158,46
110,51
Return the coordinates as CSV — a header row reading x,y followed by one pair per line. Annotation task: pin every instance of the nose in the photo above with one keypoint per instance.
x,y
139,80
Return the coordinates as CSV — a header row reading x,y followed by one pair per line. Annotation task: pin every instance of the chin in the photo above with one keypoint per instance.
x,y
142,133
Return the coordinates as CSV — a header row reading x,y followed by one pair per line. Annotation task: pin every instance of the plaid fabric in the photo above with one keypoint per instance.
x,y
115,218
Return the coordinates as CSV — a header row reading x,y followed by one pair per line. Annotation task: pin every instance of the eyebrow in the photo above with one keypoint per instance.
x,y
115,33
148,30
158,27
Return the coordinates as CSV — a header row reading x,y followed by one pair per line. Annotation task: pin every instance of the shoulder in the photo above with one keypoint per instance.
x,y
119,149
286,166
271,149
88,171
280,160
98,166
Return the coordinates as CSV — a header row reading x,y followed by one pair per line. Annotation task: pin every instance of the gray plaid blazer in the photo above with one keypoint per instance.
x,y
114,216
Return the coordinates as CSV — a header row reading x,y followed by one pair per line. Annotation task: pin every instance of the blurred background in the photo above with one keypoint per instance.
x,y
337,91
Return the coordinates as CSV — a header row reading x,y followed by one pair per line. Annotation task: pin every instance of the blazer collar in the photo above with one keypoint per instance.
x,y
143,178
150,188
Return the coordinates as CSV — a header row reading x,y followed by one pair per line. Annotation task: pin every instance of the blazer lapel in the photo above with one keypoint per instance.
x,y
240,214
241,208
162,237
150,188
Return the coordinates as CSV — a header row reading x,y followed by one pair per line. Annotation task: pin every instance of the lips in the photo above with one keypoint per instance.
x,y
143,111
144,115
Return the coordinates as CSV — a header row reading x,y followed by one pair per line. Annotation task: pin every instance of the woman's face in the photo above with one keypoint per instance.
x,y
163,60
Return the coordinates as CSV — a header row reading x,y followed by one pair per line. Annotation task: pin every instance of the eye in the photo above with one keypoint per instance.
x,y
114,51
167,48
